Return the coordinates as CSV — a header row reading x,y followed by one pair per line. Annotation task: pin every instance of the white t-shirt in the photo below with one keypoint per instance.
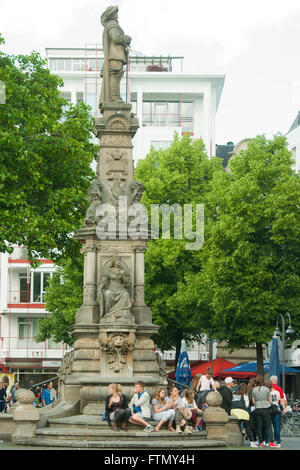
x,y
178,402
205,383
275,395
186,404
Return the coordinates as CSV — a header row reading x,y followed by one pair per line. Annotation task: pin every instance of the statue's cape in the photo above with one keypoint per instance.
x,y
105,92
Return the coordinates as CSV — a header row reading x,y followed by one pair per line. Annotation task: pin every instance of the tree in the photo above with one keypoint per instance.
x,y
45,159
63,297
181,174
251,259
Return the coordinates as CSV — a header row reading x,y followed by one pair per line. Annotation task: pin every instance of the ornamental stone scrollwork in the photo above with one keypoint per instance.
x,y
118,123
113,294
116,141
116,346
66,367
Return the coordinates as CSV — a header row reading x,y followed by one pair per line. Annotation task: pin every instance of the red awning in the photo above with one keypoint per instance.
x,y
218,365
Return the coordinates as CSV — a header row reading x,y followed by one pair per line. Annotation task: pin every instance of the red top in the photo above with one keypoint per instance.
x,y
279,389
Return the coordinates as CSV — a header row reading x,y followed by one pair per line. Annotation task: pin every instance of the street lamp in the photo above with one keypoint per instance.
x,y
277,332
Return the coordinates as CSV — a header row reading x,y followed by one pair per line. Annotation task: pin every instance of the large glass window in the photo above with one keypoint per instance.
x,y
78,65
168,114
27,330
60,64
40,282
37,287
187,110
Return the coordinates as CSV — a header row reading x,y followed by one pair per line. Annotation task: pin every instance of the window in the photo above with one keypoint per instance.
x,y
66,95
78,65
37,287
161,144
187,110
60,64
94,64
24,282
79,97
168,114
91,101
27,330
40,282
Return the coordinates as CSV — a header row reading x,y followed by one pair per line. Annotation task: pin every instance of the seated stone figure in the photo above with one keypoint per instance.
x,y
113,295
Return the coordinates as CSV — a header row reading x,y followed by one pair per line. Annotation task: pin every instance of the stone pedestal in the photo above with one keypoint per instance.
x,y
215,418
113,327
25,416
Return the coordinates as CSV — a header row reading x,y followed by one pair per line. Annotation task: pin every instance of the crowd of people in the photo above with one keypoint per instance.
x,y
180,413
44,395
258,405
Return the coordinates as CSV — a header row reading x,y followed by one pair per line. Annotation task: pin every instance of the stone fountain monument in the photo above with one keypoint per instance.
x,y
113,327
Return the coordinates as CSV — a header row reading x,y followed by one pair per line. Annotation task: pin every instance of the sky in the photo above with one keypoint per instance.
x,y
254,43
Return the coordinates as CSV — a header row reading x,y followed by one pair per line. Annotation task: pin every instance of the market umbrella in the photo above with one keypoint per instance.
x,y
249,369
183,372
274,365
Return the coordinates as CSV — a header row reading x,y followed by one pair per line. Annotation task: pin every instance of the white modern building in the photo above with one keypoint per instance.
x,y
22,304
293,138
164,98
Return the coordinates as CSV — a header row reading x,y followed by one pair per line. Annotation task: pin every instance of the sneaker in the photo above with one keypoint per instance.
x,y
178,430
273,445
253,444
187,430
267,444
261,444
149,428
278,445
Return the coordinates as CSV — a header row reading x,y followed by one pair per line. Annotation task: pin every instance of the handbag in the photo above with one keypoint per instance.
x,y
274,410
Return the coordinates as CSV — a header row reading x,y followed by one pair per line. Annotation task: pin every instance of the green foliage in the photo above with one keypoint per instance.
x,y
251,258
181,174
63,298
45,159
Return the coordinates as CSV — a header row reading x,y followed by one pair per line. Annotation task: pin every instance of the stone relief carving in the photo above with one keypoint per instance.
x,y
117,346
116,140
113,294
95,198
66,367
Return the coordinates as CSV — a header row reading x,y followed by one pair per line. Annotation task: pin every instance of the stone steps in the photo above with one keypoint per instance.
x,y
109,434
90,431
132,444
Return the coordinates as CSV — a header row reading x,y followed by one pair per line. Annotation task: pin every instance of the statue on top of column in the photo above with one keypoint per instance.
x,y
116,46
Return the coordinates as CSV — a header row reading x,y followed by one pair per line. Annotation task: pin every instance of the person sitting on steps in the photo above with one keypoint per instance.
x,y
182,415
162,410
140,407
116,408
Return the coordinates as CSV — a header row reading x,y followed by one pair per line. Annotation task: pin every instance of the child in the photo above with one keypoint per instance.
x,y
162,411
189,402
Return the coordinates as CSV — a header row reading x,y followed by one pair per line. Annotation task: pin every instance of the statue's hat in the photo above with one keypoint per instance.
x,y
109,12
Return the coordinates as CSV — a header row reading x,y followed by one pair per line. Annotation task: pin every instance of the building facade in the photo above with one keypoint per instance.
x,y
22,304
293,138
164,98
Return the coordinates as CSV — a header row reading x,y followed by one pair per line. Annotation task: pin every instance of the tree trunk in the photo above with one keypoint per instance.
x,y
260,359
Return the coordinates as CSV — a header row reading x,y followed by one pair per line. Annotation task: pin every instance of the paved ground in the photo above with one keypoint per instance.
x,y
287,443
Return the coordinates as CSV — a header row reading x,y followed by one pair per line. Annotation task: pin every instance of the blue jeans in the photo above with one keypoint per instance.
x,y
276,421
